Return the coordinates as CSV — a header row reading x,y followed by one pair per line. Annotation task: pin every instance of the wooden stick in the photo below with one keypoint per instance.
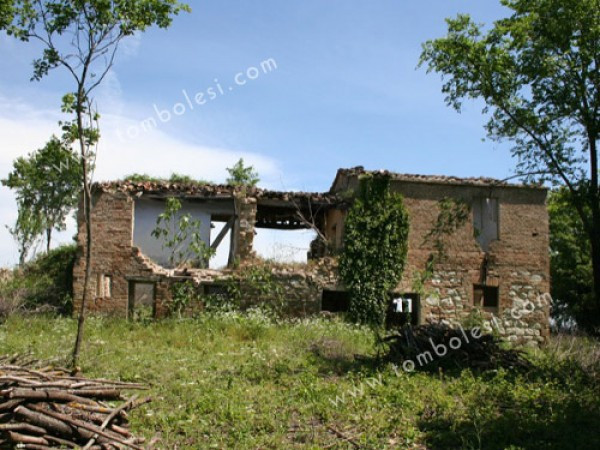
x,y
45,394
23,369
110,417
22,427
108,394
118,429
343,436
61,442
85,426
94,408
17,437
17,379
102,380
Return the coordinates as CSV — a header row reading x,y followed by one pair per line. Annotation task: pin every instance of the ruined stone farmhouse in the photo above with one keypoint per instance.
x,y
496,263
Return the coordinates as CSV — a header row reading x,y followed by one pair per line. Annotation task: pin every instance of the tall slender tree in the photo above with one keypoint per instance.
x,y
538,72
82,37
26,231
47,184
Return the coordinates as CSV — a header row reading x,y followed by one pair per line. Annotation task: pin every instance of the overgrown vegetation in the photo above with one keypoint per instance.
x,y
453,214
174,178
181,234
47,188
256,282
251,287
45,284
232,380
96,28
242,175
536,72
375,248
570,264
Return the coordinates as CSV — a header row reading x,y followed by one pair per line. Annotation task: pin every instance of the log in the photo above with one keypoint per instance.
x,y
23,369
81,425
118,429
90,407
45,394
108,394
22,427
10,404
48,408
61,442
17,379
104,380
110,417
44,421
24,439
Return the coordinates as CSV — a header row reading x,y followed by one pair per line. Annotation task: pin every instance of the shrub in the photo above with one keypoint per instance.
x,y
47,281
256,286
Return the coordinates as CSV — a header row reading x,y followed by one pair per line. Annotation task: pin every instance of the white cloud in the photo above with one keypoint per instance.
x,y
157,153
24,128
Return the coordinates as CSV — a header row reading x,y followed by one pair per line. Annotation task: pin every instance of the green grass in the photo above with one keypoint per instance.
x,y
234,381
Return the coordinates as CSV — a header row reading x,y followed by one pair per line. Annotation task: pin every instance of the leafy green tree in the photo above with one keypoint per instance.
x,y
375,249
571,265
537,72
6,12
181,235
47,183
95,28
26,231
240,175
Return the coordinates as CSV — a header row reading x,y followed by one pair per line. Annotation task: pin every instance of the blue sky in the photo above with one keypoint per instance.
x,y
346,92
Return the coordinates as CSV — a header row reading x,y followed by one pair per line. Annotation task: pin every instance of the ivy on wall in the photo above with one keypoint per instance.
x,y
375,248
453,214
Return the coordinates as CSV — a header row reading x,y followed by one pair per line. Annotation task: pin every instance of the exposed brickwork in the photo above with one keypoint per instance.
x,y
517,263
246,209
113,255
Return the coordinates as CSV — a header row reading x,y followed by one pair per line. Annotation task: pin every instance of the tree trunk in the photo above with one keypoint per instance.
x,y
22,256
595,226
87,205
595,245
596,272
48,238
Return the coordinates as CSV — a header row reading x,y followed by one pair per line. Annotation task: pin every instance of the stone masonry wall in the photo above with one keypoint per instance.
x,y
245,208
517,263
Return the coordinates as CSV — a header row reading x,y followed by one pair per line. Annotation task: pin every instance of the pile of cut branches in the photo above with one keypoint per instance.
x,y
44,406
430,347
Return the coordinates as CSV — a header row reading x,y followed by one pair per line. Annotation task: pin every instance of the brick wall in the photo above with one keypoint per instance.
x,y
517,263
113,255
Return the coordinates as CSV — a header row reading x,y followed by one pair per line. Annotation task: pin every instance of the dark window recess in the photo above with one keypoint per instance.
x,y
141,299
410,310
486,297
216,290
335,301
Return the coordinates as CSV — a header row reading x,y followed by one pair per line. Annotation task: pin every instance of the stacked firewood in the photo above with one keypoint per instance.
x,y
452,348
45,407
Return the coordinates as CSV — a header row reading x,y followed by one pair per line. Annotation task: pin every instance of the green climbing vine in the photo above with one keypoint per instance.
x,y
375,248
453,214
